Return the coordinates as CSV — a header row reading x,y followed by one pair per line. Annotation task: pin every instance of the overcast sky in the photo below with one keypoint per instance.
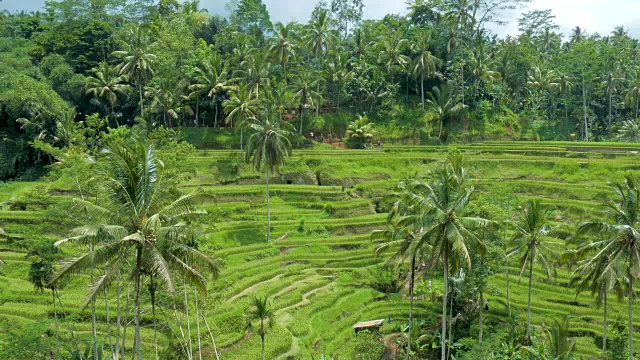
x,y
593,15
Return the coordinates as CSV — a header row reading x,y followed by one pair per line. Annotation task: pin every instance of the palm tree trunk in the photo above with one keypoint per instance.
x,y
136,304
213,341
444,306
153,315
195,296
241,135
126,316
141,97
637,101
262,337
411,280
215,112
584,108
508,294
186,311
197,108
268,206
605,326
450,338
116,353
529,299
441,126
480,320
610,115
422,90
106,309
55,317
93,314
630,310
301,118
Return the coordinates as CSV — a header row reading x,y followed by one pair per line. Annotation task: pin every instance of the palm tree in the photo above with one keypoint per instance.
x,y
242,106
561,346
283,49
630,130
633,96
303,83
390,52
339,75
320,38
140,224
256,71
268,146
565,84
541,81
424,64
443,200
610,80
531,245
600,275
443,102
620,242
107,83
261,311
213,80
166,99
360,130
137,60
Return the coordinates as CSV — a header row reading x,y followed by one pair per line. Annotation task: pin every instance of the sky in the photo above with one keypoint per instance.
x,y
600,16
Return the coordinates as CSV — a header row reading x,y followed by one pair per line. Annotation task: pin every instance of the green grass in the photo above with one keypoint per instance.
x,y
317,276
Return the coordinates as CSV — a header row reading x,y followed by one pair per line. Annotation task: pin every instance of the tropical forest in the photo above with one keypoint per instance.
x,y
181,183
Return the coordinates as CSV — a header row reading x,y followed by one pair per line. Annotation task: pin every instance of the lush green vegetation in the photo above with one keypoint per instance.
x,y
188,186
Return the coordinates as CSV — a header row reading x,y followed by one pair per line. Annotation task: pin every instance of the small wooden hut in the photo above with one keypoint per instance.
x,y
369,325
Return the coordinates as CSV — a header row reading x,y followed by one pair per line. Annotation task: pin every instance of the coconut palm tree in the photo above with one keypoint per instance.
x,y
600,275
531,245
107,83
256,71
261,311
565,84
360,131
339,74
444,103
212,79
137,59
320,38
561,346
620,242
282,48
630,130
443,199
424,62
241,107
610,80
137,226
269,146
303,85
632,99
390,48
166,99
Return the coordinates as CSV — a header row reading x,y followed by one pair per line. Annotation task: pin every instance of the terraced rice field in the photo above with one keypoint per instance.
x,y
318,268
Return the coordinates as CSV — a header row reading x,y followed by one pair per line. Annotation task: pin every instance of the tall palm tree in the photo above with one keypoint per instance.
x,y
137,59
138,223
390,53
424,62
256,71
268,147
565,84
531,245
620,242
443,199
241,107
303,85
282,48
444,102
541,81
213,80
261,311
600,275
633,96
107,83
166,99
339,74
320,38
610,80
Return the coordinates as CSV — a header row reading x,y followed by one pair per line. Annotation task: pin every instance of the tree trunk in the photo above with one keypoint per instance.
x,y
268,206
136,304
55,317
186,311
241,136
411,286
93,314
195,296
444,306
441,126
610,115
153,315
141,96
605,326
197,109
529,298
480,320
215,114
630,310
584,108
126,316
106,309
422,90
508,295
116,353
301,117
213,341
262,337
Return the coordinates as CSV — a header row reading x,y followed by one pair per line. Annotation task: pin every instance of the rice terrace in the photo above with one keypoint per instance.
x,y
343,179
